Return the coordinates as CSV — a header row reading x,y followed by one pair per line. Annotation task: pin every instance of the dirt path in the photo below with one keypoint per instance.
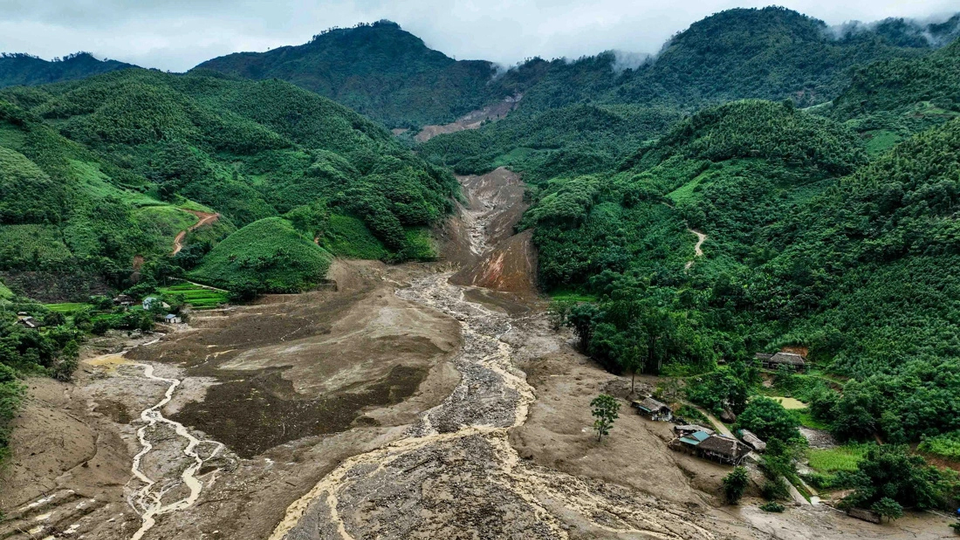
x,y
697,252
206,218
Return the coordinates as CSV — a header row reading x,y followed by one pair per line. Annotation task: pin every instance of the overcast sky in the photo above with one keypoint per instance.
x,y
178,34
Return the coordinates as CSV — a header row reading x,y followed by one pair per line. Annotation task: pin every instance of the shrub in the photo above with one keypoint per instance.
x,y
735,484
772,506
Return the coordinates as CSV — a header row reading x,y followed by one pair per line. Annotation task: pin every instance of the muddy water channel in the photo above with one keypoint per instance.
x,y
454,473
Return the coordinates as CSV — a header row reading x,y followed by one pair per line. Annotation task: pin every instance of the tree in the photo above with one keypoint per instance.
x,y
890,471
605,409
734,484
633,362
888,508
769,420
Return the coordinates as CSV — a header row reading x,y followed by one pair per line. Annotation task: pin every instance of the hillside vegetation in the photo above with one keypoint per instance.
x,y
809,245
101,166
24,69
267,255
378,70
588,115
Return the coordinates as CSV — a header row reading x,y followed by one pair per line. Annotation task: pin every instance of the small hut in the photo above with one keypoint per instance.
x,y
27,321
124,300
653,410
753,441
793,361
172,319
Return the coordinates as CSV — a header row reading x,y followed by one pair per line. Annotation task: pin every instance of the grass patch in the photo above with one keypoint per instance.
x,y
686,193
691,414
5,292
347,236
808,421
67,307
198,297
945,445
881,140
565,295
841,458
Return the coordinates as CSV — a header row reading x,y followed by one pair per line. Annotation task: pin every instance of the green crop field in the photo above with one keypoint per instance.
x,y
68,307
197,296
841,458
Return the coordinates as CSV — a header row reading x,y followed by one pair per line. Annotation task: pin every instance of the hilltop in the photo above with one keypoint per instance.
x,y
24,69
376,69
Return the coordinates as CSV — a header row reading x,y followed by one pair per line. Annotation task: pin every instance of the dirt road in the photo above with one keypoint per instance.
x,y
697,252
205,219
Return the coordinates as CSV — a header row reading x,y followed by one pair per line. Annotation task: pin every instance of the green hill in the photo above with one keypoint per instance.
x,y
23,69
96,161
890,100
268,255
376,69
769,53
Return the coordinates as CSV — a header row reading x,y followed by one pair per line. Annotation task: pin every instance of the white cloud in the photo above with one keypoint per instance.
x,y
178,34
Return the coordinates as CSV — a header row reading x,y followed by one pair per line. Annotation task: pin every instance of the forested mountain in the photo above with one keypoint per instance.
x,y
771,53
378,70
114,164
810,244
23,69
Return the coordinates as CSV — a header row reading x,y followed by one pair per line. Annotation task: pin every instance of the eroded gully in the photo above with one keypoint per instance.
x,y
455,470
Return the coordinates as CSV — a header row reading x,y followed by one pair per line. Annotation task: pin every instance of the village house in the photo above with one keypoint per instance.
x,y
653,410
713,447
123,300
172,319
793,361
149,301
689,429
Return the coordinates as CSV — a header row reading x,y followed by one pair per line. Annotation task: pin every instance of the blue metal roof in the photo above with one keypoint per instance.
x,y
695,439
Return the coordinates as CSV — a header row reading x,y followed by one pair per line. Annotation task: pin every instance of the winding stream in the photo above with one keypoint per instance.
x,y
149,501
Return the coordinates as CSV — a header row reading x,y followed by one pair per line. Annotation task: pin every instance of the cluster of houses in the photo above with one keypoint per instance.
x,y
701,441
149,303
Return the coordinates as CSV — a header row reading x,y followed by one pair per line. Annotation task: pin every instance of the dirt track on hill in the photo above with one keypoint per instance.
x,y
205,219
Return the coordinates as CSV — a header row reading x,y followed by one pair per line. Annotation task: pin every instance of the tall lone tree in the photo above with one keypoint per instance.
x,y
605,409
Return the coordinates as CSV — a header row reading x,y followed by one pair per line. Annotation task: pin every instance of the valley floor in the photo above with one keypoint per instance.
x,y
400,405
